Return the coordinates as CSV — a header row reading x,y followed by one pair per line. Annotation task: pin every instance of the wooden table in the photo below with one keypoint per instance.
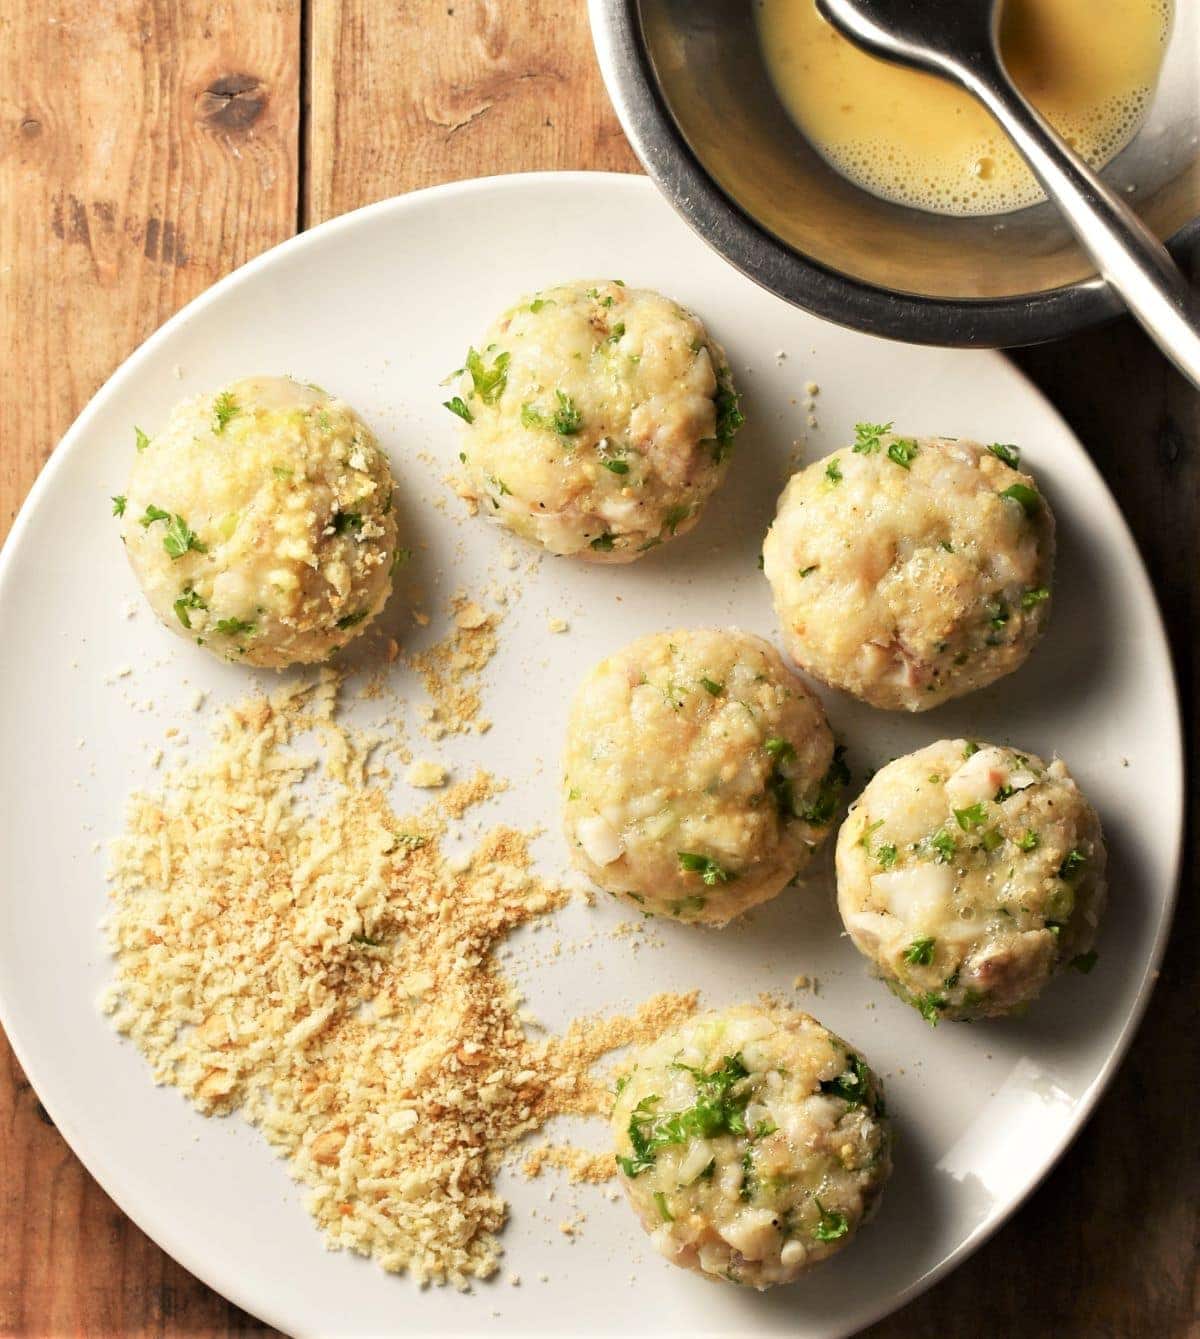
x,y
148,148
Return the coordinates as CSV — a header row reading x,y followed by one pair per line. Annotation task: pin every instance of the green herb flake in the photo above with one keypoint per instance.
x,y
1034,597
930,1006
140,440
944,845
350,620
488,382
920,951
971,749
1029,841
152,514
730,418
1011,455
992,840
867,435
366,941
180,538
885,856
616,466
187,601
234,627
457,405
347,522
833,471
998,614
808,571
832,1225
822,809
225,409
1028,498
780,749
616,333
675,517
603,543
851,1085
661,1200
1072,863
972,816
118,505
711,686
712,873
903,451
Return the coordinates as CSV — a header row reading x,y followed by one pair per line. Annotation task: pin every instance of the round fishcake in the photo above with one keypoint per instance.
x,y
259,522
909,571
752,1144
700,774
597,419
968,875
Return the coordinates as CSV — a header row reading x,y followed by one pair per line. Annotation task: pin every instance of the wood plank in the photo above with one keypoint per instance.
x,y
409,94
145,150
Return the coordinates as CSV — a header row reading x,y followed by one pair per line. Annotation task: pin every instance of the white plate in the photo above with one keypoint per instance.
x,y
379,305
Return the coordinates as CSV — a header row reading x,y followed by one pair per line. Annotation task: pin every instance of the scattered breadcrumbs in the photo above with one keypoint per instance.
x,y
450,669
287,946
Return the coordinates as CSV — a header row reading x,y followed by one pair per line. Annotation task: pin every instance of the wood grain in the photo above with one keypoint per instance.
x,y
147,148
406,94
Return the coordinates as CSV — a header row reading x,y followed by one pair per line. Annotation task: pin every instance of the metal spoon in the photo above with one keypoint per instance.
x,y
959,40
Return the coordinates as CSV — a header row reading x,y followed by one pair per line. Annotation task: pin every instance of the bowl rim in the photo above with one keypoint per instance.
x,y
1025,318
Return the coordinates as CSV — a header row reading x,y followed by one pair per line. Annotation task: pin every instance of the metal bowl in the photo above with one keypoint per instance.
x,y
690,86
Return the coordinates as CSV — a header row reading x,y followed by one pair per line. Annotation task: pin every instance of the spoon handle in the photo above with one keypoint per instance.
x,y
1126,252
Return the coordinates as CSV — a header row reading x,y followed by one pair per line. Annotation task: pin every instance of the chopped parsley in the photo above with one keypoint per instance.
x,y
885,856
971,749
992,839
832,1225
603,543
615,333
930,1006
851,1085
711,686
1072,863
349,620
1084,962
140,440
119,505
489,382
661,1200
234,627
867,435
187,601
833,471
225,408
729,415
457,405
998,614
821,810
347,522
566,420
902,451
179,538
1011,455
944,845
1034,596
500,486
616,466
920,951
972,816
152,514
712,873
1029,841
366,941
538,303
675,517
780,749
1028,498
716,1110
808,571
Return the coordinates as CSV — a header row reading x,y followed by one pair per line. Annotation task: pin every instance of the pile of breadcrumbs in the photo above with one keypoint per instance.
x,y
286,946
